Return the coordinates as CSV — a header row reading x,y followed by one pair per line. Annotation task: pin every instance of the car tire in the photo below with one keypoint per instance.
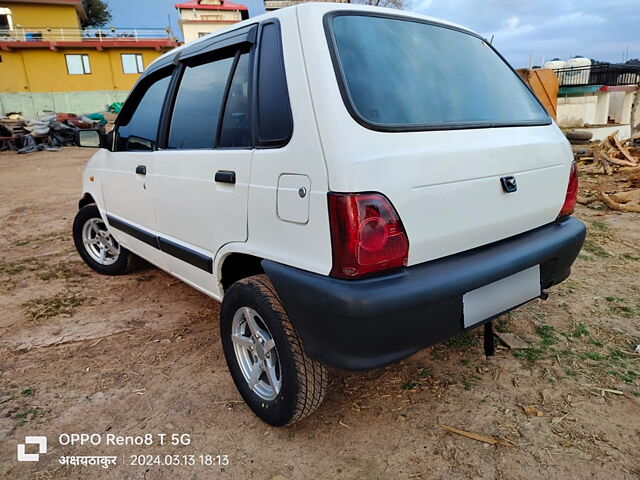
x,y
91,237
288,385
579,135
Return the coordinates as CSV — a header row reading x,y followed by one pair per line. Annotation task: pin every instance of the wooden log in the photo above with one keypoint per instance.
x,y
582,200
604,160
512,341
621,207
615,161
632,196
624,151
477,436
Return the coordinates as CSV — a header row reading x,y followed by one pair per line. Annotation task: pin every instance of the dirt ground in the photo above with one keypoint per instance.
x,y
140,354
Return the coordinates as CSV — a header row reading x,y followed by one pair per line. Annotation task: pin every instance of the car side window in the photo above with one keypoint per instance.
x,y
140,131
275,124
236,125
194,122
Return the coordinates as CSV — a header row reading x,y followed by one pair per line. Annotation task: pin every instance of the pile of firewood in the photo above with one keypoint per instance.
x,y
612,157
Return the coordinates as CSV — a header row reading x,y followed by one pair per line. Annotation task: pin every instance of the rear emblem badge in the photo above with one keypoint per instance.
x,y
509,184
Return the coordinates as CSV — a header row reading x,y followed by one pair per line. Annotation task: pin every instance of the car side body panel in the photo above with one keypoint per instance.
x,y
306,246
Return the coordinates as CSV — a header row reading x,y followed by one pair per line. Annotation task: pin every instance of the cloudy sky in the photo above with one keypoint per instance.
x,y
551,28
544,28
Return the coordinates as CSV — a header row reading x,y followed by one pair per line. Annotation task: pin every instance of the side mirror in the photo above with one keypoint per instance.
x,y
90,139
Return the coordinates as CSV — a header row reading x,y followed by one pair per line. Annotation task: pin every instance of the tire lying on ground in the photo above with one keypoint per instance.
x,y
579,135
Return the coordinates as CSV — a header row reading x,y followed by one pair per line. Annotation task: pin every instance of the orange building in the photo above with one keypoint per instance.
x,y
49,62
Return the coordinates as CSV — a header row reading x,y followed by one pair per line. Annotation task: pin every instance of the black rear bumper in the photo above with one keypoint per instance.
x,y
363,324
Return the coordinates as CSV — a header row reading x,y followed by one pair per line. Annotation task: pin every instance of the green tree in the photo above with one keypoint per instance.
x,y
98,13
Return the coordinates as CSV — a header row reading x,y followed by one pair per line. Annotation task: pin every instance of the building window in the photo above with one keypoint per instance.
x,y
202,34
78,64
211,17
132,63
5,19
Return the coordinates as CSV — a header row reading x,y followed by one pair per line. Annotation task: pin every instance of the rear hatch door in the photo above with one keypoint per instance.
x,y
448,192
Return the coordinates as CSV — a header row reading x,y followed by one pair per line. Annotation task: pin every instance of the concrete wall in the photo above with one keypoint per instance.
x,y
600,133
620,105
33,104
576,111
191,14
192,31
44,70
194,22
595,109
602,109
38,15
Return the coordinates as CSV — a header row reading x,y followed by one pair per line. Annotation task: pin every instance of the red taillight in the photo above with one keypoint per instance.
x,y
572,192
367,235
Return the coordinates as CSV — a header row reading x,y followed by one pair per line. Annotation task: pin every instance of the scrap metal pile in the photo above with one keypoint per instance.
x,y
610,173
48,132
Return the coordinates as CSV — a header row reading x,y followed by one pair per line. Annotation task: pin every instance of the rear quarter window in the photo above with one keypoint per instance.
x,y
402,74
275,123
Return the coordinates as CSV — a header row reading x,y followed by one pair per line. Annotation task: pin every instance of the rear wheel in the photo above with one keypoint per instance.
x,y
96,245
265,357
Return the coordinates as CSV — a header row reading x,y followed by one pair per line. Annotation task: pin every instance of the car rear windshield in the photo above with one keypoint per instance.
x,y
401,74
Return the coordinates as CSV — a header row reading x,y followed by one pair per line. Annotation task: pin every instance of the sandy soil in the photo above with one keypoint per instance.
x,y
138,354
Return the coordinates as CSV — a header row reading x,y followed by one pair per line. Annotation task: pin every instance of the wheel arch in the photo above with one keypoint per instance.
x,y
235,266
87,199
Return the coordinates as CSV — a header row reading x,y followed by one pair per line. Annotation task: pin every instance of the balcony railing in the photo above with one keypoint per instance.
x,y
63,34
599,74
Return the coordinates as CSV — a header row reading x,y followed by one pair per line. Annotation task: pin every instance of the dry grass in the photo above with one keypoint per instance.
x,y
62,304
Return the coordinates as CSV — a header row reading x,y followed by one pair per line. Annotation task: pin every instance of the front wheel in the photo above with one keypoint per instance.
x,y
96,245
265,357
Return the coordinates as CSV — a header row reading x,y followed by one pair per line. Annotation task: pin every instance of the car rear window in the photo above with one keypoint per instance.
x,y
401,74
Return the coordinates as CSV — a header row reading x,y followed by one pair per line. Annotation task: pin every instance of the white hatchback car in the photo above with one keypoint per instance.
x,y
354,184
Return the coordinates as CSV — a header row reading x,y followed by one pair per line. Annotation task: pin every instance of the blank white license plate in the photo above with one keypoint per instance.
x,y
497,297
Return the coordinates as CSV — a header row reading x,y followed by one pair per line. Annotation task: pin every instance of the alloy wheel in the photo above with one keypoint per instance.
x,y
256,353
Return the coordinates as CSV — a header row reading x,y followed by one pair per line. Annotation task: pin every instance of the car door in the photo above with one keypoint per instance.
x,y
125,187
200,178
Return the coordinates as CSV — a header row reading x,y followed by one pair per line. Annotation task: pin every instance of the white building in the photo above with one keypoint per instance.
x,y
271,5
201,17
598,98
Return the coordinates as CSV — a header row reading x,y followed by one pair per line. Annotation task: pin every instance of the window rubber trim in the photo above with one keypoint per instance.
x,y
225,98
348,102
133,101
168,105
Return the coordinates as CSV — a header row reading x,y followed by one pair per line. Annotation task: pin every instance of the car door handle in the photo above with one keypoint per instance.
x,y
225,176
141,170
